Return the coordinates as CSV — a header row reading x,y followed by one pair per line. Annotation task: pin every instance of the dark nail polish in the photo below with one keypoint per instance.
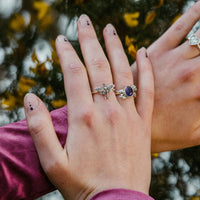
x,y
84,20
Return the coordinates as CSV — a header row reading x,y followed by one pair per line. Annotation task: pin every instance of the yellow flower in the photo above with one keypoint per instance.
x,y
40,69
132,51
131,19
17,23
154,155
42,8
161,2
150,17
58,103
49,90
9,103
25,84
176,18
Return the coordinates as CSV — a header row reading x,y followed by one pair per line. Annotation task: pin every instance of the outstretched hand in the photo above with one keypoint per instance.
x,y
108,144
176,115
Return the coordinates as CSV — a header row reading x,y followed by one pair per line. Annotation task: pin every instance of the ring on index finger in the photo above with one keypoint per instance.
x,y
194,40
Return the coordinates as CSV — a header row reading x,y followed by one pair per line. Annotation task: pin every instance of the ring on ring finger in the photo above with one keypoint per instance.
x,y
194,40
128,91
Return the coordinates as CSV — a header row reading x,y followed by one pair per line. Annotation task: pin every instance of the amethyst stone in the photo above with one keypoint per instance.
x,y
129,91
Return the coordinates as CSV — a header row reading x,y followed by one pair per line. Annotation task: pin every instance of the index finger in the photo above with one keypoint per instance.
x,y
180,29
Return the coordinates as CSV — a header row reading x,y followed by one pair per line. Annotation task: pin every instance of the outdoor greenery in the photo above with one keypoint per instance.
x,y
28,63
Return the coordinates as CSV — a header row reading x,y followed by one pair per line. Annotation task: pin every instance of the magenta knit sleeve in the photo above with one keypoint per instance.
x,y
21,176
121,194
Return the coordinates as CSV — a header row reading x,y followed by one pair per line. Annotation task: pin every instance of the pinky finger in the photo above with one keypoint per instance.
x,y
145,98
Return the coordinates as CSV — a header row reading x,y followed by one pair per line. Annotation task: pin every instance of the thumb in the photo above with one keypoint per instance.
x,y
42,131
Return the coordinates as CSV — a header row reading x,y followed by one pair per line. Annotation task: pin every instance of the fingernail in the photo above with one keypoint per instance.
x,y
61,38
84,20
110,29
31,102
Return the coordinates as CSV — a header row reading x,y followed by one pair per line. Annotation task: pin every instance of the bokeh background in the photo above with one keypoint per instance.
x,y
28,63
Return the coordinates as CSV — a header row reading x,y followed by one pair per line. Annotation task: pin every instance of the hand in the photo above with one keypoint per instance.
x,y
176,115
108,144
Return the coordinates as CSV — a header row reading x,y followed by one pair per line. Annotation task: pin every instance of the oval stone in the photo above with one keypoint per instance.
x,y
129,91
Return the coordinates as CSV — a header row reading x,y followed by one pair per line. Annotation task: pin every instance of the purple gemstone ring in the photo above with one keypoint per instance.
x,y
128,91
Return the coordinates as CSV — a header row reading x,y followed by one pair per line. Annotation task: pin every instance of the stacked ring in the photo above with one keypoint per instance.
x,y
104,90
194,40
128,91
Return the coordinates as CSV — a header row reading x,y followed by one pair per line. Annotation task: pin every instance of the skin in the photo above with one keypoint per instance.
x,y
109,141
176,67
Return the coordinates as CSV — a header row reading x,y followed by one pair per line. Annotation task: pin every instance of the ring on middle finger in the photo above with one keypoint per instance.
x,y
194,40
104,90
128,91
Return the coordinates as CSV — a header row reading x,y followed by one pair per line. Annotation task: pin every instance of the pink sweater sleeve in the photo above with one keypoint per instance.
x,y
21,176
121,194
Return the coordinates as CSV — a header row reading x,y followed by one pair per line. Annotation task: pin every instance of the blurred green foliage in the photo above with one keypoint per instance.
x,y
29,63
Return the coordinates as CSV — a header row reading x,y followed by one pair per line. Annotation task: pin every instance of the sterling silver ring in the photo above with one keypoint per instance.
x,y
128,91
104,90
194,40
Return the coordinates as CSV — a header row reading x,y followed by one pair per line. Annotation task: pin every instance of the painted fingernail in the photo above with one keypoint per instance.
x,y
84,20
61,38
110,29
31,102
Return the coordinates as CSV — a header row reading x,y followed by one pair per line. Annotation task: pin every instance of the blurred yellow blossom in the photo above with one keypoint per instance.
x,y
25,84
155,155
131,19
40,69
79,1
49,90
161,2
17,23
58,103
132,50
9,102
176,18
54,55
150,17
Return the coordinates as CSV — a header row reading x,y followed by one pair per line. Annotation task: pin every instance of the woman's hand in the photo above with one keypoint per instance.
x,y
176,115
108,144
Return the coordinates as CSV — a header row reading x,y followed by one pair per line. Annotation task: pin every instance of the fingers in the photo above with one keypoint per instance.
x,y
145,96
121,70
42,131
97,64
179,30
75,75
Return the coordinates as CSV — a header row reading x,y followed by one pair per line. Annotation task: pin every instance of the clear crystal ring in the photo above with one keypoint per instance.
x,y
104,90
194,40
128,91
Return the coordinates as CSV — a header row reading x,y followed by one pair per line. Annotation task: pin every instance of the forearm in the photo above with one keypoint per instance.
x,y
20,171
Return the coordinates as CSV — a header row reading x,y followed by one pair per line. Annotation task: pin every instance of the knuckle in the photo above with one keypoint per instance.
x,y
100,64
86,115
113,114
188,73
126,74
37,126
75,68
149,93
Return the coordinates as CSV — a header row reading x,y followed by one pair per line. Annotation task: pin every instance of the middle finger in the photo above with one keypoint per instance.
x,y
98,67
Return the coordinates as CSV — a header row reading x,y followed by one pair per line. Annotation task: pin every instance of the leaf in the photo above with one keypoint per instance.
x,y
150,17
17,23
131,19
58,103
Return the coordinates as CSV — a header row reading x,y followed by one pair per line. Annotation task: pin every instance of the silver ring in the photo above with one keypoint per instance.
x,y
104,90
194,40
128,91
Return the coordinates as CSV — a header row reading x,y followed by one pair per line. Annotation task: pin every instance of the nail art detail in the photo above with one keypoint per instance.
x,y
62,38
31,102
84,20
111,30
